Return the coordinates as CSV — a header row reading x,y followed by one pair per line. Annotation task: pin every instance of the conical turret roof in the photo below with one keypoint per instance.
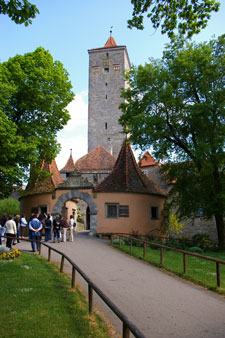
x,y
110,42
48,184
126,176
69,166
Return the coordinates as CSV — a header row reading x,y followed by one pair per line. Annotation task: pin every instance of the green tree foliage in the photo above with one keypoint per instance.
x,y
186,17
34,93
176,105
10,206
20,11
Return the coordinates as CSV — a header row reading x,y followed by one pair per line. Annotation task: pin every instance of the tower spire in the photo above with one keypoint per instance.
x,y
111,30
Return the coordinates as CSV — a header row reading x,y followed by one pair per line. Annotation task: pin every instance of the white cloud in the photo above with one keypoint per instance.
x,y
74,134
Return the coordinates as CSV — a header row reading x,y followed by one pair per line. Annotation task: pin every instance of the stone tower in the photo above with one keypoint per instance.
x,y
106,78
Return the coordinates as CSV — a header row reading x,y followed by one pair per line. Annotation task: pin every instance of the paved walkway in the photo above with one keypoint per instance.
x,y
160,305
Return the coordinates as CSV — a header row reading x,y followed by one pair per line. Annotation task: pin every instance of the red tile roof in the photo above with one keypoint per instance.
x,y
147,160
50,183
126,176
110,43
69,167
98,159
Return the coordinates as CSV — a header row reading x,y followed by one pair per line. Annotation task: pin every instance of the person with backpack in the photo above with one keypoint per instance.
x,y
48,227
56,228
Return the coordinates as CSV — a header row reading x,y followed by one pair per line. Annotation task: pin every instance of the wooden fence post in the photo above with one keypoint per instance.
x,y
218,274
62,264
49,254
39,247
144,250
161,256
126,331
90,299
73,277
184,263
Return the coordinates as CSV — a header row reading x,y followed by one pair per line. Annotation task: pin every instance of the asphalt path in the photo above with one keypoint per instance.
x,y
159,304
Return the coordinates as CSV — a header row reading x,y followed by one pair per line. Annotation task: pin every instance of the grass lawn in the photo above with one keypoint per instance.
x,y
199,271
37,301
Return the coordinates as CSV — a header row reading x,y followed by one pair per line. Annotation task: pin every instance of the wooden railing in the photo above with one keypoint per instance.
x,y
162,247
128,326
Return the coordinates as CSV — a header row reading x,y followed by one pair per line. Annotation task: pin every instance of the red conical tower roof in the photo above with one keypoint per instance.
x,y
126,176
69,167
48,184
110,42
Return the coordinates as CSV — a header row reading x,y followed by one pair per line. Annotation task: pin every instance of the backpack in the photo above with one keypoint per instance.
x,y
48,223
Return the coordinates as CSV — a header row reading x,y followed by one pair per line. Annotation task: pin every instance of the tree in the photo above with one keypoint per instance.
x,y
34,94
176,105
20,11
188,17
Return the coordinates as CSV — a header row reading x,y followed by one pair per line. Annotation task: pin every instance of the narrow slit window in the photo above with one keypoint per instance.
x,y
106,126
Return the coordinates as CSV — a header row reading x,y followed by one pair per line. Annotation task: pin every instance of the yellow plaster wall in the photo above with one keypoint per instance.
x,y
139,213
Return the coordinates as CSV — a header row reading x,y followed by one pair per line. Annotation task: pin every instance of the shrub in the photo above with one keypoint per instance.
x,y
117,241
203,241
195,249
10,206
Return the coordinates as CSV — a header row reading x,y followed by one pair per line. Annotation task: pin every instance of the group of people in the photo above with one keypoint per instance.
x,y
13,227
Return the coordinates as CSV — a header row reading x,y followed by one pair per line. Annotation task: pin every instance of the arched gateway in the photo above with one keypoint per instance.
x,y
57,208
75,182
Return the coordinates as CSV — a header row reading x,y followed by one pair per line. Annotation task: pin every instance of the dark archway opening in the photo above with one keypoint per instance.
x,y
88,218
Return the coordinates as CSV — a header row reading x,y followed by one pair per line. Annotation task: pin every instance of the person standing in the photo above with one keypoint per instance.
x,y
11,231
17,221
3,220
23,224
64,228
35,227
56,228
48,226
72,225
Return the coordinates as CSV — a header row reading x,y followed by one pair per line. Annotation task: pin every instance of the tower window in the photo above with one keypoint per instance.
x,y
106,97
106,84
116,68
107,55
106,69
106,126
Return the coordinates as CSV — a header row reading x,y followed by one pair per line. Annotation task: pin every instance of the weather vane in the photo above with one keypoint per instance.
x,y
111,30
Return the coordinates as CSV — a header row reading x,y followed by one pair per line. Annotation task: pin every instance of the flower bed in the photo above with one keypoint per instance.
x,y
6,253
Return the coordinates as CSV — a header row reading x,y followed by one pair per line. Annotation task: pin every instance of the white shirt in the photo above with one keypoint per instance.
x,y
10,227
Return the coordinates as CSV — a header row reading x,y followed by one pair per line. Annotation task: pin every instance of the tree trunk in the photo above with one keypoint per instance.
x,y
220,229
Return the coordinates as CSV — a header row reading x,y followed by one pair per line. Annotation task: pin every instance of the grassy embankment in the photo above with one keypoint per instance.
x,y
199,271
37,301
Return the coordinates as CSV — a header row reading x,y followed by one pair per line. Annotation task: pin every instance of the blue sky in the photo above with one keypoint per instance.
x,y
68,29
